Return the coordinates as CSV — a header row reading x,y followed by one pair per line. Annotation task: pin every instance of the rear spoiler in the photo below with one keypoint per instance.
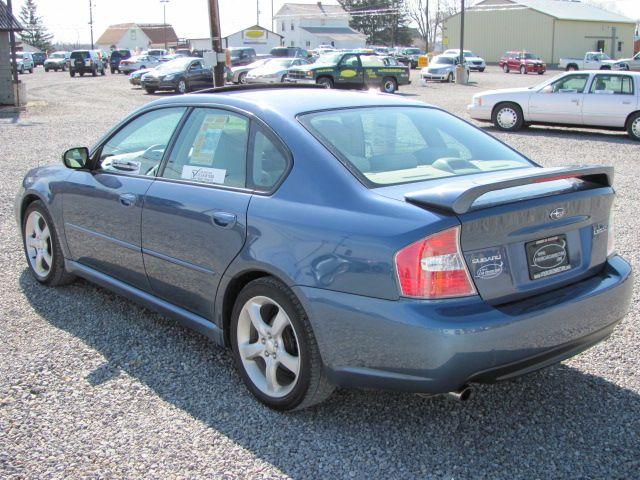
x,y
458,195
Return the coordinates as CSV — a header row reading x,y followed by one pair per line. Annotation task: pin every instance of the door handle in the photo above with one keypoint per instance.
x,y
626,103
576,101
224,219
127,199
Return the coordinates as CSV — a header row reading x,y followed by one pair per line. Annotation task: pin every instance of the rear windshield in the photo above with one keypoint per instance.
x,y
393,145
82,55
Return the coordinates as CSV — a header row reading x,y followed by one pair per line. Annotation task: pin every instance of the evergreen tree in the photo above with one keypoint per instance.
x,y
386,23
34,33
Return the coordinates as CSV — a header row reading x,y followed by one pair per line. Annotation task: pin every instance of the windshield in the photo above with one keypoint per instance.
x,y
443,61
281,52
329,59
529,56
412,51
80,55
280,62
56,55
392,145
177,64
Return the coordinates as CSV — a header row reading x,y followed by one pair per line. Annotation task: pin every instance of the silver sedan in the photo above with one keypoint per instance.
x,y
592,99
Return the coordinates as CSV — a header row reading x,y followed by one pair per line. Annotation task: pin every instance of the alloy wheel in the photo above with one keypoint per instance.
x,y
37,238
182,86
268,347
507,118
635,128
389,86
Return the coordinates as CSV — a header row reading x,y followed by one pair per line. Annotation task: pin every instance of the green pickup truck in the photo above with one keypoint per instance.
x,y
352,70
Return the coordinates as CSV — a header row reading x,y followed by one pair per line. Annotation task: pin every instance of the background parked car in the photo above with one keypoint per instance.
x,y
86,61
292,52
24,62
181,75
523,62
274,71
135,77
474,62
57,61
591,61
155,52
38,58
409,56
442,68
628,63
239,74
606,99
138,62
242,56
116,57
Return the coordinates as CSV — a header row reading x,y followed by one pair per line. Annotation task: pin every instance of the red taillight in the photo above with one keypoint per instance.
x,y
434,268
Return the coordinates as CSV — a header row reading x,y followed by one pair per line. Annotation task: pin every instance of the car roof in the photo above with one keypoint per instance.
x,y
289,102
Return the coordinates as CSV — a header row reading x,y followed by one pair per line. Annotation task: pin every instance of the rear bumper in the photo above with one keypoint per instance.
x,y
438,346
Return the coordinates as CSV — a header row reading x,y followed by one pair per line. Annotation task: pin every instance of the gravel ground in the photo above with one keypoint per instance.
x,y
92,385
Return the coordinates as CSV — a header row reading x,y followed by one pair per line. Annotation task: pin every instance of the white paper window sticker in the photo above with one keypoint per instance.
x,y
204,174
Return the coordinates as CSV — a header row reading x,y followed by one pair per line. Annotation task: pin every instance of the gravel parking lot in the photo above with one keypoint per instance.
x,y
92,385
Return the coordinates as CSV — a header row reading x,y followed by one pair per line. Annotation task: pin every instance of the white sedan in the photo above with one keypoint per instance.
x,y
273,71
593,99
138,62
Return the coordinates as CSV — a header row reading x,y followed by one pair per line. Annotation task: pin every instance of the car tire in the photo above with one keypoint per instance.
x,y
633,126
102,72
507,117
21,71
72,73
42,247
31,70
81,73
150,90
46,69
505,68
242,78
113,70
571,68
182,87
389,85
94,72
481,70
523,70
275,333
326,82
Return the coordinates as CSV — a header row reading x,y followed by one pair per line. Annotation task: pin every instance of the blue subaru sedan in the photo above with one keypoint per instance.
x,y
334,238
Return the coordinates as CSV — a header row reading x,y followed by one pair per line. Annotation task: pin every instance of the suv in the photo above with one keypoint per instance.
x,y
242,56
523,62
24,62
295,52
57,61
86,61
39,58
116,56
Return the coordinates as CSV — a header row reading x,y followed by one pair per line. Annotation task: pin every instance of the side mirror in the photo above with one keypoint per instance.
x,y
76,158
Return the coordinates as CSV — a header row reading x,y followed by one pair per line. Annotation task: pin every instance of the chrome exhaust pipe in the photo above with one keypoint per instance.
x,y
462,394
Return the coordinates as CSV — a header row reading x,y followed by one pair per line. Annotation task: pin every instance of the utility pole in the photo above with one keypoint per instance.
x,y
14,62
462,34
216,37
257,12
164,21
272,27
91,21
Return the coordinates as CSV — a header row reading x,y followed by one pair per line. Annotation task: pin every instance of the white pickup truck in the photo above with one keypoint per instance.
x,y
591,61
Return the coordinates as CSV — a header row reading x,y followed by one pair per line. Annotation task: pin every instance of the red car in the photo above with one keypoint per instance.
x,y
523,62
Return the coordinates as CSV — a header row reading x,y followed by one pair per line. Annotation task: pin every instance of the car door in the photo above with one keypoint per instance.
x,y
349,71
195,75
634,64
610,100
559,101
194,219
102,207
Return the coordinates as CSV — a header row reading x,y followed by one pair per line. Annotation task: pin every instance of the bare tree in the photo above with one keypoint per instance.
x,y
419,13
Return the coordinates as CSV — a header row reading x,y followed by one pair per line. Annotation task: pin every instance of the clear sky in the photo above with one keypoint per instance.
x,y
68,19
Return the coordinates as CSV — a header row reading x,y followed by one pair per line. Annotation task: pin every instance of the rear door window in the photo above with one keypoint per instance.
x,y
211,149
612,84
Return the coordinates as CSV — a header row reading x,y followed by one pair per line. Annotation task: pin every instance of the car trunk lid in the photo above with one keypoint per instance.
x,y
527,231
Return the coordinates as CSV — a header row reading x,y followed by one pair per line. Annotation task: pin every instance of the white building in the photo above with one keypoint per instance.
x,y
137,36
259,38
311,25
